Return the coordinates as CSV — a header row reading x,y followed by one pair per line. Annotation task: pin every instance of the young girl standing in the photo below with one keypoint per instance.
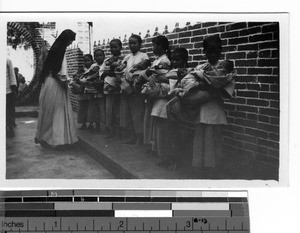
x,y
207,143
113,98
132,105
161,50
165,131
83,99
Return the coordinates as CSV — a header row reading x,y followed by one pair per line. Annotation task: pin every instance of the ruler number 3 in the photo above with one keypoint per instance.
x,y
188,224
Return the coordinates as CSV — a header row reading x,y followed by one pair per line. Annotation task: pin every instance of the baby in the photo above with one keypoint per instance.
x,y
216,76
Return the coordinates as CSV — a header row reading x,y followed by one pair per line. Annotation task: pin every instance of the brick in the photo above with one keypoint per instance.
x,y
274,53
268,62
269,45
252,116
216,29
197,39
187,46
234,142
274,88
247,123
198,57
252,55
268,143
236,26
253,86
274,137
269,95
240,86
274,152
237,114
268,127
238,100
270,28
194,51
236,128
245,62
199,32
209,24
262,118
198,45
257,102
247,108
250,31
185,40
247,93
255,24
264,53
229,48
230,120
248,47
240,71
274,104
229,106
274,120
276,36
256,148
229,134
172,36
268,79
239,40
269,111
230,34
275,71
259,70
256,133
245,138
236,55
245,78
185,34
261,37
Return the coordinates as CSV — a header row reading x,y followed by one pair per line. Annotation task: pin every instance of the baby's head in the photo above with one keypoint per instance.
x,y
179,58
87,60
110,85
212,48
22,80
226,65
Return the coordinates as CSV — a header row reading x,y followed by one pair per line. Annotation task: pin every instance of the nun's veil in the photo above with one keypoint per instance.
x,y
56,54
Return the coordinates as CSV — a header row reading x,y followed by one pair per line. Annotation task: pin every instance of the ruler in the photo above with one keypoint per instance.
x,y
88,211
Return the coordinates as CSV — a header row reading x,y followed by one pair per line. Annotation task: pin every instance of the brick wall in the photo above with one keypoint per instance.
x,y
253,114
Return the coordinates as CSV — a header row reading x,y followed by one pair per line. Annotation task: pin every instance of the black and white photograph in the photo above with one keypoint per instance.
x,y
146,96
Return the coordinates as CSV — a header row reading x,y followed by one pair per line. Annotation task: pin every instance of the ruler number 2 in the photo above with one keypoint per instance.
x,y
121,224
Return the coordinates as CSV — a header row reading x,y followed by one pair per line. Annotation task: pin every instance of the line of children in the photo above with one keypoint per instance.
x,y
148,100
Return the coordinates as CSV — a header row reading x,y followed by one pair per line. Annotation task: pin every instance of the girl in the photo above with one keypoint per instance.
x,y
132,104
206,148
161,50
165,131
94,87
113,98
56,125
83,99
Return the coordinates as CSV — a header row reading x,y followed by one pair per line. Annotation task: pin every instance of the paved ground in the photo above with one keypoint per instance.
x,y
27,160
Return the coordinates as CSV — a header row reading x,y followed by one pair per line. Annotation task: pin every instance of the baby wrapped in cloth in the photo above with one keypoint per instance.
x,y
191,90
